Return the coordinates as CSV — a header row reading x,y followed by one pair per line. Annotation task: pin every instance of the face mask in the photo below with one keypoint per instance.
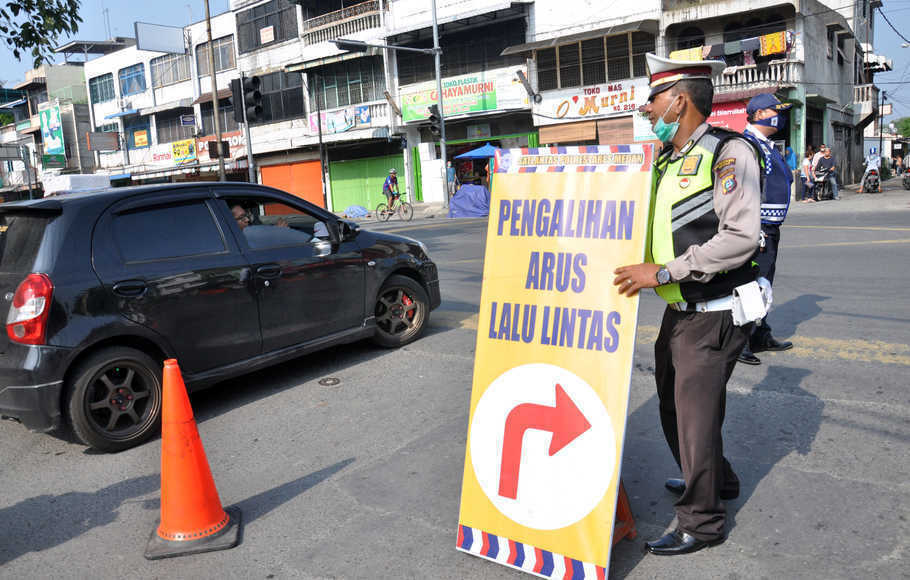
x,y
776,122
666,131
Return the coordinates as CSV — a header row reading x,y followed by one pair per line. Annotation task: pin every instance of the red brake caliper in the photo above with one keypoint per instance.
x,y
406,300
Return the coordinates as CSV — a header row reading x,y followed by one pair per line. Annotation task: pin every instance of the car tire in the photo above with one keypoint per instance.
x,y
114,399
402,311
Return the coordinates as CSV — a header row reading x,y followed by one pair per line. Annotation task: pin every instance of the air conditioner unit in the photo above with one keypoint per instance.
x,y
124,104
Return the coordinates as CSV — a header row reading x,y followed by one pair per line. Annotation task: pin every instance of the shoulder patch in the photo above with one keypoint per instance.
x,y
690,165
728,162
729,184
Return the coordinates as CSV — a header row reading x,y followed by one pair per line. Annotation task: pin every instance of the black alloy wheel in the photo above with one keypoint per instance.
x,y
115,399
402,310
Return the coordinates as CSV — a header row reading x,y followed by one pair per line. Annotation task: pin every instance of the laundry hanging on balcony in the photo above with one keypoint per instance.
x,y
765,45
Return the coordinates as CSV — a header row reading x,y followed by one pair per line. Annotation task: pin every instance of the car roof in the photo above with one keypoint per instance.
x,y
110,194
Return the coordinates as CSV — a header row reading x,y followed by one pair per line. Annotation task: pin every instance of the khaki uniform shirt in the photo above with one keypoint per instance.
x,y
737,205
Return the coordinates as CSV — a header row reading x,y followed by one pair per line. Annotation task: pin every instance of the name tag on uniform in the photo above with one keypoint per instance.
x,y
690,165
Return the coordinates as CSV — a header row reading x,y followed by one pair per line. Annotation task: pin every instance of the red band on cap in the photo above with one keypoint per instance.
x,y
697,70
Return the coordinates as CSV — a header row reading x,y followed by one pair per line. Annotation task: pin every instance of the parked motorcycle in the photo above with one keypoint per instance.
x,y
906,180
822,185
872,182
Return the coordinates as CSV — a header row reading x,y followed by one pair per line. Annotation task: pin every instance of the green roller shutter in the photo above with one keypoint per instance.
x,y
359,181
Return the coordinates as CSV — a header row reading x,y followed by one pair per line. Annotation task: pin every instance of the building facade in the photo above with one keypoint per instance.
x,y
514,74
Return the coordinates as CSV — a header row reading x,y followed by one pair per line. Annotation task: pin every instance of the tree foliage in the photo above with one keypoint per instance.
x,y
32,27
903,126
6,119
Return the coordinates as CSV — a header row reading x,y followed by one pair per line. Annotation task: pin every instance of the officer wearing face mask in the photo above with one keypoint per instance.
x,y
703,231
767,116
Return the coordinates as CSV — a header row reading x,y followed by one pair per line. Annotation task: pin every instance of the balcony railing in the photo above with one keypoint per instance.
x,y
865,94
342,23
775,74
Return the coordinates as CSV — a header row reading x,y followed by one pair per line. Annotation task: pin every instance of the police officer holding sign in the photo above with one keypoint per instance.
x,y
766,117
703,232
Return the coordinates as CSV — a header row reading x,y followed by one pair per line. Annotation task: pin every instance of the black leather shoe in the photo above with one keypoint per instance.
x,y
678,486
746,357
679,542
772,344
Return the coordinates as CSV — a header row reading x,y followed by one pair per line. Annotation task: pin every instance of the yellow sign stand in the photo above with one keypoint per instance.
x,y
553,362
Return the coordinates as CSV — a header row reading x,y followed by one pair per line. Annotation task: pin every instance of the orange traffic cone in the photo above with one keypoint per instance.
x,y
192,519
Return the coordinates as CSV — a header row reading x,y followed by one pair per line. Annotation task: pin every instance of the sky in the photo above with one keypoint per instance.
x,y
181,12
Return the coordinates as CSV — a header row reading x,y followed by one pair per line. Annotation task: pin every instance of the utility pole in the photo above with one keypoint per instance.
x,y
442,118
881,125
208,28
325,195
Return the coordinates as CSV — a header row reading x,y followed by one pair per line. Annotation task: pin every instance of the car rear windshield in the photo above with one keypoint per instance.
x,y
20,238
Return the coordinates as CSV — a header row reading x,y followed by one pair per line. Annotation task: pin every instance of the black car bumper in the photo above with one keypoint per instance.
x,y
31,385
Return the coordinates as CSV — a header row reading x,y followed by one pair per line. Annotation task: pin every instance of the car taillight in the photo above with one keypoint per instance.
x,y
27,319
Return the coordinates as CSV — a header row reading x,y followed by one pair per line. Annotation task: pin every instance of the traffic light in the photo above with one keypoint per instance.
x,y
245,91
435,121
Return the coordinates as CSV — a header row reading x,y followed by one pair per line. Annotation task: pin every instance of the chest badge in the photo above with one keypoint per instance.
x,y
690,165
684,183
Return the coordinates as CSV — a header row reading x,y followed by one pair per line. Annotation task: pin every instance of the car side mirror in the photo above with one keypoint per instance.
x,y
321,247
348,230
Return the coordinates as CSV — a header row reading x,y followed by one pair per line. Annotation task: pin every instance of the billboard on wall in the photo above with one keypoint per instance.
x,y
592,102
341,120
52,131
730,115
160,38
485,91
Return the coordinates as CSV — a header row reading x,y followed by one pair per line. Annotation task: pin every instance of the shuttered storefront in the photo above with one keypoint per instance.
x,y
359,181
301,179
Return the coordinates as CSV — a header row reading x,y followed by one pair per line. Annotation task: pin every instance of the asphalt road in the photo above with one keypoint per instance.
x,y
362,479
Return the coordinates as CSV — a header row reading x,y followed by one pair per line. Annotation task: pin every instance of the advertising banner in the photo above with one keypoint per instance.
x,y
730,115
341,120
492,90
184,151
554,358
587,103
52,131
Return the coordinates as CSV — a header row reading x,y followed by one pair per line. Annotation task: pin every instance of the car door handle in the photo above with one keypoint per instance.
x,y
130,288
268,271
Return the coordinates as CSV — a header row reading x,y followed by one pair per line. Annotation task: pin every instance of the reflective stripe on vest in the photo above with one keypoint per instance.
x,y
682,214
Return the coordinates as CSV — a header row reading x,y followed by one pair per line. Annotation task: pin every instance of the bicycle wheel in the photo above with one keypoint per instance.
x,y
382,212
405,211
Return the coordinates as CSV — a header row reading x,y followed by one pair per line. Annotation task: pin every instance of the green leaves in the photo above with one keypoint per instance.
x,y
34,26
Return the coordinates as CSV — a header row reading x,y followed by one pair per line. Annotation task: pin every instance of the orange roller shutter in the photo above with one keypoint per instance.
x,y
302,179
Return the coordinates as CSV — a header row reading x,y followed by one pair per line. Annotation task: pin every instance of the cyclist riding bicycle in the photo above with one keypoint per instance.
x,y
390,187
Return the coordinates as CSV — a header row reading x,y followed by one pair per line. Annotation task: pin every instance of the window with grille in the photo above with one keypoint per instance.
x,y
223,51
348,83
225,117
169,69
101,88
132,80
266,24
282,97
475,50
593,61
169,127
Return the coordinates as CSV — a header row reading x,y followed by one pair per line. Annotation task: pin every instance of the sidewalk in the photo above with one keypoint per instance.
x,y
422,210
892,197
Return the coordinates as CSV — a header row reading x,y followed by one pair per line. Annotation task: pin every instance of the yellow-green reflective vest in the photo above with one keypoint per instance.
x,y
682,214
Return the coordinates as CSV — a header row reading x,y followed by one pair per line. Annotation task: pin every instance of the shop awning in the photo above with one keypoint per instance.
x,y
309,64
568,133
181,104
643,25
207,97
125,113
12,104
484,152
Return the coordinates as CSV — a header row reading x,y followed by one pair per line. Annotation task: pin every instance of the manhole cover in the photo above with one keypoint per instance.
x,y
329,382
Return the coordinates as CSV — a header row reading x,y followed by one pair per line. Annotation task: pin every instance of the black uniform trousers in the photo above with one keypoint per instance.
x,y
767,265
695,354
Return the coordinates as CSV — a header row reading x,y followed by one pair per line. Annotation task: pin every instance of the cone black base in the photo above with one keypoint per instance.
x,y
225,539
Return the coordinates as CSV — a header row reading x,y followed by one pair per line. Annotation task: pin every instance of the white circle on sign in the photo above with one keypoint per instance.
x,y
551,491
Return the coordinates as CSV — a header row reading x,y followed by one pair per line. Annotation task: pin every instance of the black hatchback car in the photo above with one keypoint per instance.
x,y
225,277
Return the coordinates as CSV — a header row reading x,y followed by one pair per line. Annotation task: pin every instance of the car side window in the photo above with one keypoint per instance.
x,y
266,223
163,232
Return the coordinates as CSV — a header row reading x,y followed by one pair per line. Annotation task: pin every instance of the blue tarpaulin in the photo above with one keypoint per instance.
x,y
356,211
484,152
470,201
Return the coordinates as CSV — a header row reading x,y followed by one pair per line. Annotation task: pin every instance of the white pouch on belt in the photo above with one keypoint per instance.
x,y
748,305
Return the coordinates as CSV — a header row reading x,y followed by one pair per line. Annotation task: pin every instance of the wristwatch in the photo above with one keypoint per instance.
x,y
663,276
